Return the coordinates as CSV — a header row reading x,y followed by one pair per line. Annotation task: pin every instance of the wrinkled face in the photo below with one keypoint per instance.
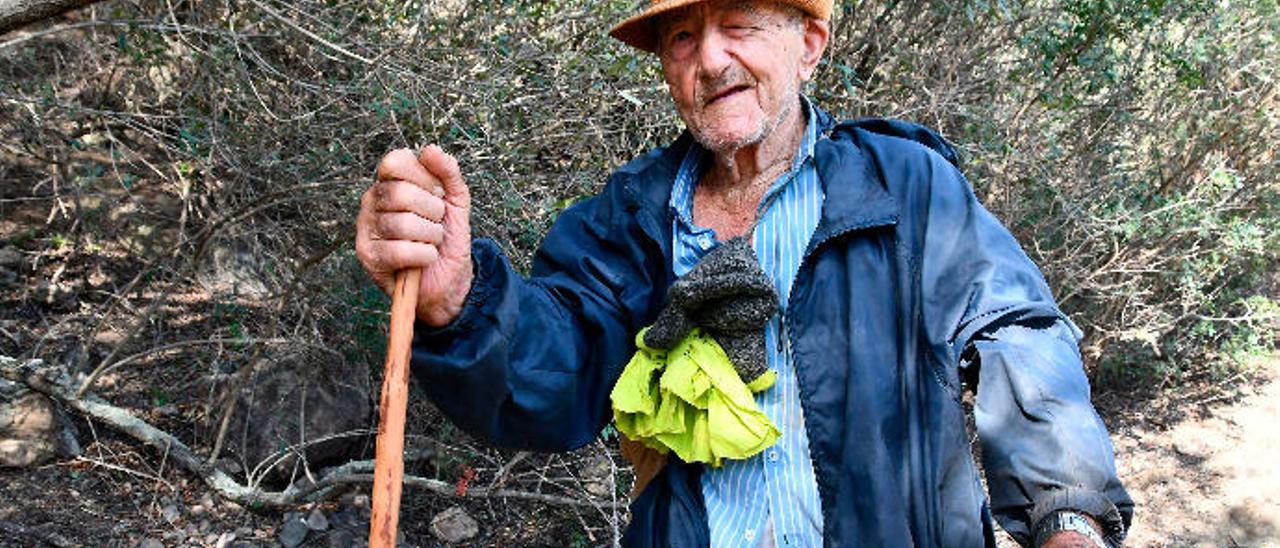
x,y
734,68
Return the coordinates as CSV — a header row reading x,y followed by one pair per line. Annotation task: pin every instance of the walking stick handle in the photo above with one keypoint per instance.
x,y
388,470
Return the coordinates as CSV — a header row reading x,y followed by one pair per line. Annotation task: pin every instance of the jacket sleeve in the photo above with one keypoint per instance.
x,y
529,362
989,311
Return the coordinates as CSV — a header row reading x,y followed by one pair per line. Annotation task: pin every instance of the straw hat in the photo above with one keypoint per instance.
x,y
637,30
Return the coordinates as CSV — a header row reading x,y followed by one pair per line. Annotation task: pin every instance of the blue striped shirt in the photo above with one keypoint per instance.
x,y
776,489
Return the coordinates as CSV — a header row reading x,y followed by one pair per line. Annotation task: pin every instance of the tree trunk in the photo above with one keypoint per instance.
x,y
16,13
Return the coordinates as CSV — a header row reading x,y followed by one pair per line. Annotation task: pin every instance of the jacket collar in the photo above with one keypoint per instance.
x,y
855,195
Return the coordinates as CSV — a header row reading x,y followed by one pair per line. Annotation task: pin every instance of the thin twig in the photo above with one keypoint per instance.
x,y
129,471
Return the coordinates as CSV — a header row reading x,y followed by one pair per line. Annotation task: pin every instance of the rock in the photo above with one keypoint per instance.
x,y
229,465
597,476
360,501
56,294
170,512
225,540
150,543
28,428
10,258
234,269
454,525
305,395
341,538
348,518
67,445
293,532
316,521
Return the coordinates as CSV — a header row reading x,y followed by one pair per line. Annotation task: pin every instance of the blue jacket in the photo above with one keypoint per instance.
x,y
909,291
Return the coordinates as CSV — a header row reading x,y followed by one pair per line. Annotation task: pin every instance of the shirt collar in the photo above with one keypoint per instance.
x,y
694,165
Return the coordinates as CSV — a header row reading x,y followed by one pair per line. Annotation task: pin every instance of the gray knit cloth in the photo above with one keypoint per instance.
x,y
730,297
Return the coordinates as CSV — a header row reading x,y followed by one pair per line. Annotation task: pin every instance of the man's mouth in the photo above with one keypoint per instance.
x,y
726,93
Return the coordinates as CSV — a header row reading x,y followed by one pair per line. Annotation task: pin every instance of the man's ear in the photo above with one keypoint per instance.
x,y
816,34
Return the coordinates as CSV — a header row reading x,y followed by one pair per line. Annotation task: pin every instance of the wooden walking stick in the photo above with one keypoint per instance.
x,y
388,470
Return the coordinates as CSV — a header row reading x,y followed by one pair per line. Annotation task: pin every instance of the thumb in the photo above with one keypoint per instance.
x,y
445,168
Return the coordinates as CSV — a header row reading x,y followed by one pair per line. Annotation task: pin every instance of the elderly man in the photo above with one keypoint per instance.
x,y
895,291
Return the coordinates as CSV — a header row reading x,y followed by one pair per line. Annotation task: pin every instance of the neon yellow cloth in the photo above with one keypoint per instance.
x,y
691,401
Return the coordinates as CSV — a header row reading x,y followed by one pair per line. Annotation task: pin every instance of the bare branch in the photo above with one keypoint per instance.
x,y
17,13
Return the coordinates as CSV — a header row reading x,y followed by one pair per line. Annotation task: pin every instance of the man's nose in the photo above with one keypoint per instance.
x,y
713,52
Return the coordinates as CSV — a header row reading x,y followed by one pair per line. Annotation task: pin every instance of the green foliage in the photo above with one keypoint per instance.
x,y
1121,143
1128,144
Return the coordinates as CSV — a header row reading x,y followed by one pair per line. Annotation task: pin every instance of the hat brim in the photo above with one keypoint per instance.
x,y
637,31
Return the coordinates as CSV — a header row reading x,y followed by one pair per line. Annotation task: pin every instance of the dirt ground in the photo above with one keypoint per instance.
x,y
1205,478
1210,480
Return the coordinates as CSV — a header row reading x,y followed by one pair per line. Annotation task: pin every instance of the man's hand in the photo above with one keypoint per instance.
x,y
417,215
1069,539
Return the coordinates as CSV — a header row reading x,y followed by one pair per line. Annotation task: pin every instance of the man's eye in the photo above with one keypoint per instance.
x,y
681,36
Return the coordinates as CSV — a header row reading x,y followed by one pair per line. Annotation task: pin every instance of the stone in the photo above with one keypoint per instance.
x,y
234,269
170,512
229,465
316,520
306,395
348,518
341,538
225,540
150,543
293,532
597,476
454,525
10,258
66,442
28,428
360,501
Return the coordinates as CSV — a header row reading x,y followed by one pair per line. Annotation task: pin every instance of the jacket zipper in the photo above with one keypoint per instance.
x,y
802,281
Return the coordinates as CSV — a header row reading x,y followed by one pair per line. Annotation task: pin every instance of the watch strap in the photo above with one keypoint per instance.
x,y
1067,520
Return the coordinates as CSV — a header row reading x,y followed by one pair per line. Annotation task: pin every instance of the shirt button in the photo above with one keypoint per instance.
x,y
705,243
749,534
772,456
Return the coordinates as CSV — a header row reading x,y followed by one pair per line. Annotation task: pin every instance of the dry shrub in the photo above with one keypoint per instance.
x,y
1131,146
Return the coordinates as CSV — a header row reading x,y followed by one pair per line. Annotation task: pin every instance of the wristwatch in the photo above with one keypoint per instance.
x,y
1067,520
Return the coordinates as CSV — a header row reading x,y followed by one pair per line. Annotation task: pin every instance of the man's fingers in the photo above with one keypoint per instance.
x,y
408,226
402,165
445,168
393,196
394,255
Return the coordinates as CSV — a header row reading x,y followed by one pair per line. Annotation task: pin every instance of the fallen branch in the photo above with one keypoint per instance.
x,y
16,13
53,382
